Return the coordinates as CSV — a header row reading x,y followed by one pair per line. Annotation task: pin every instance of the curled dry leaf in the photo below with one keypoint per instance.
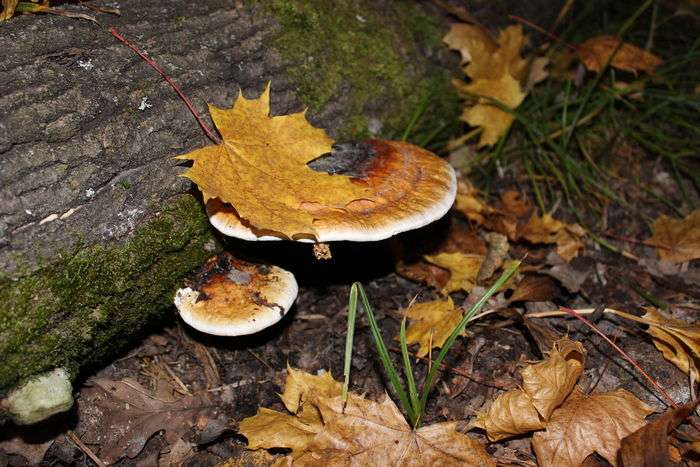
x,y
463,268
596,51
496,255
649,445
431,324
679,238
678,341
283,178
584,425
545,386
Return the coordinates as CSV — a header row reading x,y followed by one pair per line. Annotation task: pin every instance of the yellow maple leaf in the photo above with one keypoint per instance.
x,y
680,238
464,269
261,169
545,386
431,324
596,51
496,70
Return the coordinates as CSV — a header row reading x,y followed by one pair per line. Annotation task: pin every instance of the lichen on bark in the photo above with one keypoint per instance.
x,y
85,305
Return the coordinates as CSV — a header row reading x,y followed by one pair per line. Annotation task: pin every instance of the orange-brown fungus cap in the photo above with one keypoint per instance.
x,y
230,297
410,187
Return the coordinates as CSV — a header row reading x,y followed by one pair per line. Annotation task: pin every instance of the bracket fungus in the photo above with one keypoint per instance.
x,y
280,178
231,297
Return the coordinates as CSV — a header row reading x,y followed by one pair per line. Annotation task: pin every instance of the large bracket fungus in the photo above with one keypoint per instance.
x,y
279,178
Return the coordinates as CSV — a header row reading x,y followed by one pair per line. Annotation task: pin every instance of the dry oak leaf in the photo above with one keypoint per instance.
x,y
681,237
130,414
375,433
584,425
278,177
678,341
546,229
464,268
431,324
596,51
545,386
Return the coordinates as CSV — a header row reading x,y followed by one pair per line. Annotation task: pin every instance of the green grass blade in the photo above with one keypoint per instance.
x,y
349,339
412,391
384,356
427,386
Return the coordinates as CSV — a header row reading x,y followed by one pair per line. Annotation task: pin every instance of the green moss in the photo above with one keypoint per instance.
x,y
83,306
350,51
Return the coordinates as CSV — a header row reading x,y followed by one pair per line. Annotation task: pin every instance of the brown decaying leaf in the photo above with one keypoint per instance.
x,y
545,386
431,324
470,203
649,445
131,415
679,237
534,288
546,229
496,255
584,425
8,9
375,433
463,269
678,341
596,51
363,432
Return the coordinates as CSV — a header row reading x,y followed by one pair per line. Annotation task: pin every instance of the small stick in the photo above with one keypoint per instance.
x,y
542,31
88,452
624,354
212,136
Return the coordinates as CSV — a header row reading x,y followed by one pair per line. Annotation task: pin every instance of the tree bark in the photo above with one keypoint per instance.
x,y
96,227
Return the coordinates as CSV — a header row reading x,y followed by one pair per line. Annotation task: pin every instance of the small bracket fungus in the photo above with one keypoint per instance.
x,y
410,187
231,297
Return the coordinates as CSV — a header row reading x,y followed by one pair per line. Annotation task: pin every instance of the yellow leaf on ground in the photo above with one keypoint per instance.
x,y
494,121
8,9
678,341
680,237
269,429
496,71
584,425
470,203
546,229
466,37
463,269
545,386
596,51
300,385
375,433
431,324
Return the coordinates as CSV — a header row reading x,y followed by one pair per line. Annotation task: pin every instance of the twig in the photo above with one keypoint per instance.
x,y
88,452
624,354
212,136
543,31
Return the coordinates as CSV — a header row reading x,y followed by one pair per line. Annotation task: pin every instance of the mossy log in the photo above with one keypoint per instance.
x,y
97,229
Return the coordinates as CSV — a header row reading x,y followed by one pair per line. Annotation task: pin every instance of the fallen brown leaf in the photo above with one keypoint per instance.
x,y
130,415
546,229
431,324
680,238
584,425
375,433
545,386
534,288
596,51
649,445
678,341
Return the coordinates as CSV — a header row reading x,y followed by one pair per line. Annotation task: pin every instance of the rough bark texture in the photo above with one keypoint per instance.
x,y
96,228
